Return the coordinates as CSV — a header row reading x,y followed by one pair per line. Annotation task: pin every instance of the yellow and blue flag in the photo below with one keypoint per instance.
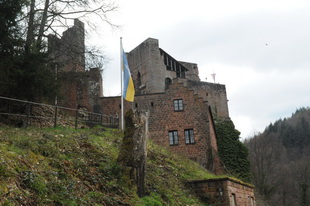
x,y
128,87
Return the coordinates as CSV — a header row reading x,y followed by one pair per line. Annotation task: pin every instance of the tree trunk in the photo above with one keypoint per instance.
x,y
30,32
42,25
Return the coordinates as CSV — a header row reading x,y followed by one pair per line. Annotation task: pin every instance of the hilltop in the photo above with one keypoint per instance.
x,y
280,160
63,166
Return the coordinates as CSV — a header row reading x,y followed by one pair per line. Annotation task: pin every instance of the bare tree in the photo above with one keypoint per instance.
x,y
43,17
264,153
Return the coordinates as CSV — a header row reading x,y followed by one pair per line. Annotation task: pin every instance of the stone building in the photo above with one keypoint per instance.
x,y
80,88
182,110
181,107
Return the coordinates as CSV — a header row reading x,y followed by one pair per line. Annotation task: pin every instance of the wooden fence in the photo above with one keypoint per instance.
x,y
26,113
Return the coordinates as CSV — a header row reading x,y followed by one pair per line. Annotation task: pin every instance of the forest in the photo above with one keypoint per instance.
x,y
280,161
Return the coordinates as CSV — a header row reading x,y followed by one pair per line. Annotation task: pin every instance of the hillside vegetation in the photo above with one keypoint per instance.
x,y
280,160
62,166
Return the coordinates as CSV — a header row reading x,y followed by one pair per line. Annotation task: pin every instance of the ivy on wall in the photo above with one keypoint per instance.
x,y
232,151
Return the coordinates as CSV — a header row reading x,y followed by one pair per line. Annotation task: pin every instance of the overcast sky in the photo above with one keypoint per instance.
x,y
258,48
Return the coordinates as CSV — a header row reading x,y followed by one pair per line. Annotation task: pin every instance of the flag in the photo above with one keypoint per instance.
x,y
128,87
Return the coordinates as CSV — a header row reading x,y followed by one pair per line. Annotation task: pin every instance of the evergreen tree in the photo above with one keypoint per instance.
x,y
10,45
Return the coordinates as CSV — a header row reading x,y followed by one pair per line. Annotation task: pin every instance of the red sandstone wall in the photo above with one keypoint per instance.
x,y
79,89
163,118
224,192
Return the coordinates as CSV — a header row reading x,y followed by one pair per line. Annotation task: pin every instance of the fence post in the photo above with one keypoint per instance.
x,y
90,118
76,118
55,119
101,119
28,114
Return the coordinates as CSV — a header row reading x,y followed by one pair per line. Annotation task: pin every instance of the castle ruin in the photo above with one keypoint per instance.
x,y
79,88
181,107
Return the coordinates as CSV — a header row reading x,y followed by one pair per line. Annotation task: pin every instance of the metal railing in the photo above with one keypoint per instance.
x,y
26,113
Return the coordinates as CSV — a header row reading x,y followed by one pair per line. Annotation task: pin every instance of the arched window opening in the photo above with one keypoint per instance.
x,y
168,81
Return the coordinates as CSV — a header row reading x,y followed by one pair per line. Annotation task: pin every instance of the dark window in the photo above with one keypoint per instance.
x,y
173,137
180,72
139,79
152,104
189,136
168,81
136,105
178,105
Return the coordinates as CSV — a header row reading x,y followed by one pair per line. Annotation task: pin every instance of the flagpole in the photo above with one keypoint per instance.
x,y
122,99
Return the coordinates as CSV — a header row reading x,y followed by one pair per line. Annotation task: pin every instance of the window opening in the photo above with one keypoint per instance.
x,y
139,79
173,137
189,136
168,81
234,202
178,105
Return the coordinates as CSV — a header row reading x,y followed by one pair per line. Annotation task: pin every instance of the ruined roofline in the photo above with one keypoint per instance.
x,y
180,62
161,50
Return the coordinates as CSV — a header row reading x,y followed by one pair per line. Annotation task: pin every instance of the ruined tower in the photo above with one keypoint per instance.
x,y
153,69
68,52
80,88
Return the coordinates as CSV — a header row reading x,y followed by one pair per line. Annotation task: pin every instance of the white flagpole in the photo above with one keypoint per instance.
x,y
122,99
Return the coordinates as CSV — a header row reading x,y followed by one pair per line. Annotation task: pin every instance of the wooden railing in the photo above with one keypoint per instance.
x,y
26,113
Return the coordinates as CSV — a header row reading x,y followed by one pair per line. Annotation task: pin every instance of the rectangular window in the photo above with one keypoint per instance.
x,y
189,136
173,137
233,200
178,105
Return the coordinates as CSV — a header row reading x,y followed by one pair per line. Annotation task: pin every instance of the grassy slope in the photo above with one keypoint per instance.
x,y
63,166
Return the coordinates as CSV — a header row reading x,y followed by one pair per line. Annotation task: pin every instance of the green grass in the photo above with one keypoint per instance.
x,y
63,166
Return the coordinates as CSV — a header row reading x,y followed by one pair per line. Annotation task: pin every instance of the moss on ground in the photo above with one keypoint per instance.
x,y
63,166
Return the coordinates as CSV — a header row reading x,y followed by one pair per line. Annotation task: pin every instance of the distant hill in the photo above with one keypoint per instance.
x,y
294,132
280,160
61,166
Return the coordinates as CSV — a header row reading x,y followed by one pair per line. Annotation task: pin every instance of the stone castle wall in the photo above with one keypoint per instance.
x,y
146,69
68,52
153,70
151,67
214,94
224,192
163,118
79,88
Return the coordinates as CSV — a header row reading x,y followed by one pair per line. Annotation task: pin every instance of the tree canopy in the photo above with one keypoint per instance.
x,y
25,25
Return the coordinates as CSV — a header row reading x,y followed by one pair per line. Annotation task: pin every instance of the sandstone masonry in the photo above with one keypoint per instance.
x,y
79,88
224,192
180,106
